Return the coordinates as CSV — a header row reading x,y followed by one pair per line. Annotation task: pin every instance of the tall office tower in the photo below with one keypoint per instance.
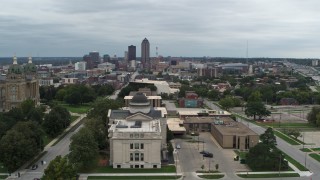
x,y
126,56
87,58
131,53
145,54
106,58
95,57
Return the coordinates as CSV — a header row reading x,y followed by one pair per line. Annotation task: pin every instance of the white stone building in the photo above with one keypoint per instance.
x,y
137,135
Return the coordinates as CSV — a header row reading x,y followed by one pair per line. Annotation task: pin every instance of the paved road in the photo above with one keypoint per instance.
x,y
61,148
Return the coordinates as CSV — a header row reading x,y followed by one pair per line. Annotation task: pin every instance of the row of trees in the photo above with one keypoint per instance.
x,y
85,144
22,131
75,94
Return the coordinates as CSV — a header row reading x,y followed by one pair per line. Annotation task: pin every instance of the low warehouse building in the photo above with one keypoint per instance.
x,y
232,134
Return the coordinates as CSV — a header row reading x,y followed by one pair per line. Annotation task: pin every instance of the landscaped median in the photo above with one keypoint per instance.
x,y
207,175
315,156
133,177
108,172
267,175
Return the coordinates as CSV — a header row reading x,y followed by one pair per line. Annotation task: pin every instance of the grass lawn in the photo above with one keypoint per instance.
x,y
291,125
80,109
315,156
3,169
134,177
212,176
295,163
211,171
46,139
268,175
73,118
286,138
110,169
3,176
241,154
315,149
305,150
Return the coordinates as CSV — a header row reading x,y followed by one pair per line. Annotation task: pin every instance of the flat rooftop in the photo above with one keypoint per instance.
x,y
131,126
195,111
175,125
148,97
190,120
234,128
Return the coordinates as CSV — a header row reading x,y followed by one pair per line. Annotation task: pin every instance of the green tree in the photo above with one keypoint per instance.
x,y
83,149
101,107
27,106
99,131
227,102
269,138
170,135
20,144
312,115
255,97
213,94
57,119
256,109
262,158
59,169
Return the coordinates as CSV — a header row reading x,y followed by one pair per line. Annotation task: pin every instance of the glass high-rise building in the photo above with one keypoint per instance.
x,y
131,53
145,54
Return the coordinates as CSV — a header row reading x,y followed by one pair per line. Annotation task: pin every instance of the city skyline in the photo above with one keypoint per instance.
x,y
287,28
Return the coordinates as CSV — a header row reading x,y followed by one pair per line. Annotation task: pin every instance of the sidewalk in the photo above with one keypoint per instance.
x,y
84,176
81,116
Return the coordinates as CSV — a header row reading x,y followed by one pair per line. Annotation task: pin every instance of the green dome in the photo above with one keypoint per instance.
x,y
15,69
30,68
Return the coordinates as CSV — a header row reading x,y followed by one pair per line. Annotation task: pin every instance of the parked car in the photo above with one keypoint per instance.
x,y
236,158
34,167
210,155
204,152
178,146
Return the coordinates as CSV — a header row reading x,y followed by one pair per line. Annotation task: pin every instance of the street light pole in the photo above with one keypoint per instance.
x,y
279,164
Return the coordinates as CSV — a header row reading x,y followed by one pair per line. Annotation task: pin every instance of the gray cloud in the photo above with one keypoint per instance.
x,y
286,28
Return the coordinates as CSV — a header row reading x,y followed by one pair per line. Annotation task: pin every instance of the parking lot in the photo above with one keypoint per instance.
x,y
191,160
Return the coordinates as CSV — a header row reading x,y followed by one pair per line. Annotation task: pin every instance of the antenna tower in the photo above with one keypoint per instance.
x,y
157,51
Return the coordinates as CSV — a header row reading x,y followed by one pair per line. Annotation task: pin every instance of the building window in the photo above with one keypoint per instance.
x,y
136,145
131,135
141,135
141,146
118,166
141,157
136,135
136,166
142,166
131,156
136,156
131,166
131,145
154,166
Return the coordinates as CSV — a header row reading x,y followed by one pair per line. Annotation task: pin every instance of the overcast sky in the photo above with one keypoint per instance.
x,y
216,28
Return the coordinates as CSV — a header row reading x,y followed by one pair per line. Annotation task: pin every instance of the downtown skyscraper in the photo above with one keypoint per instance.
x,y
145,54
